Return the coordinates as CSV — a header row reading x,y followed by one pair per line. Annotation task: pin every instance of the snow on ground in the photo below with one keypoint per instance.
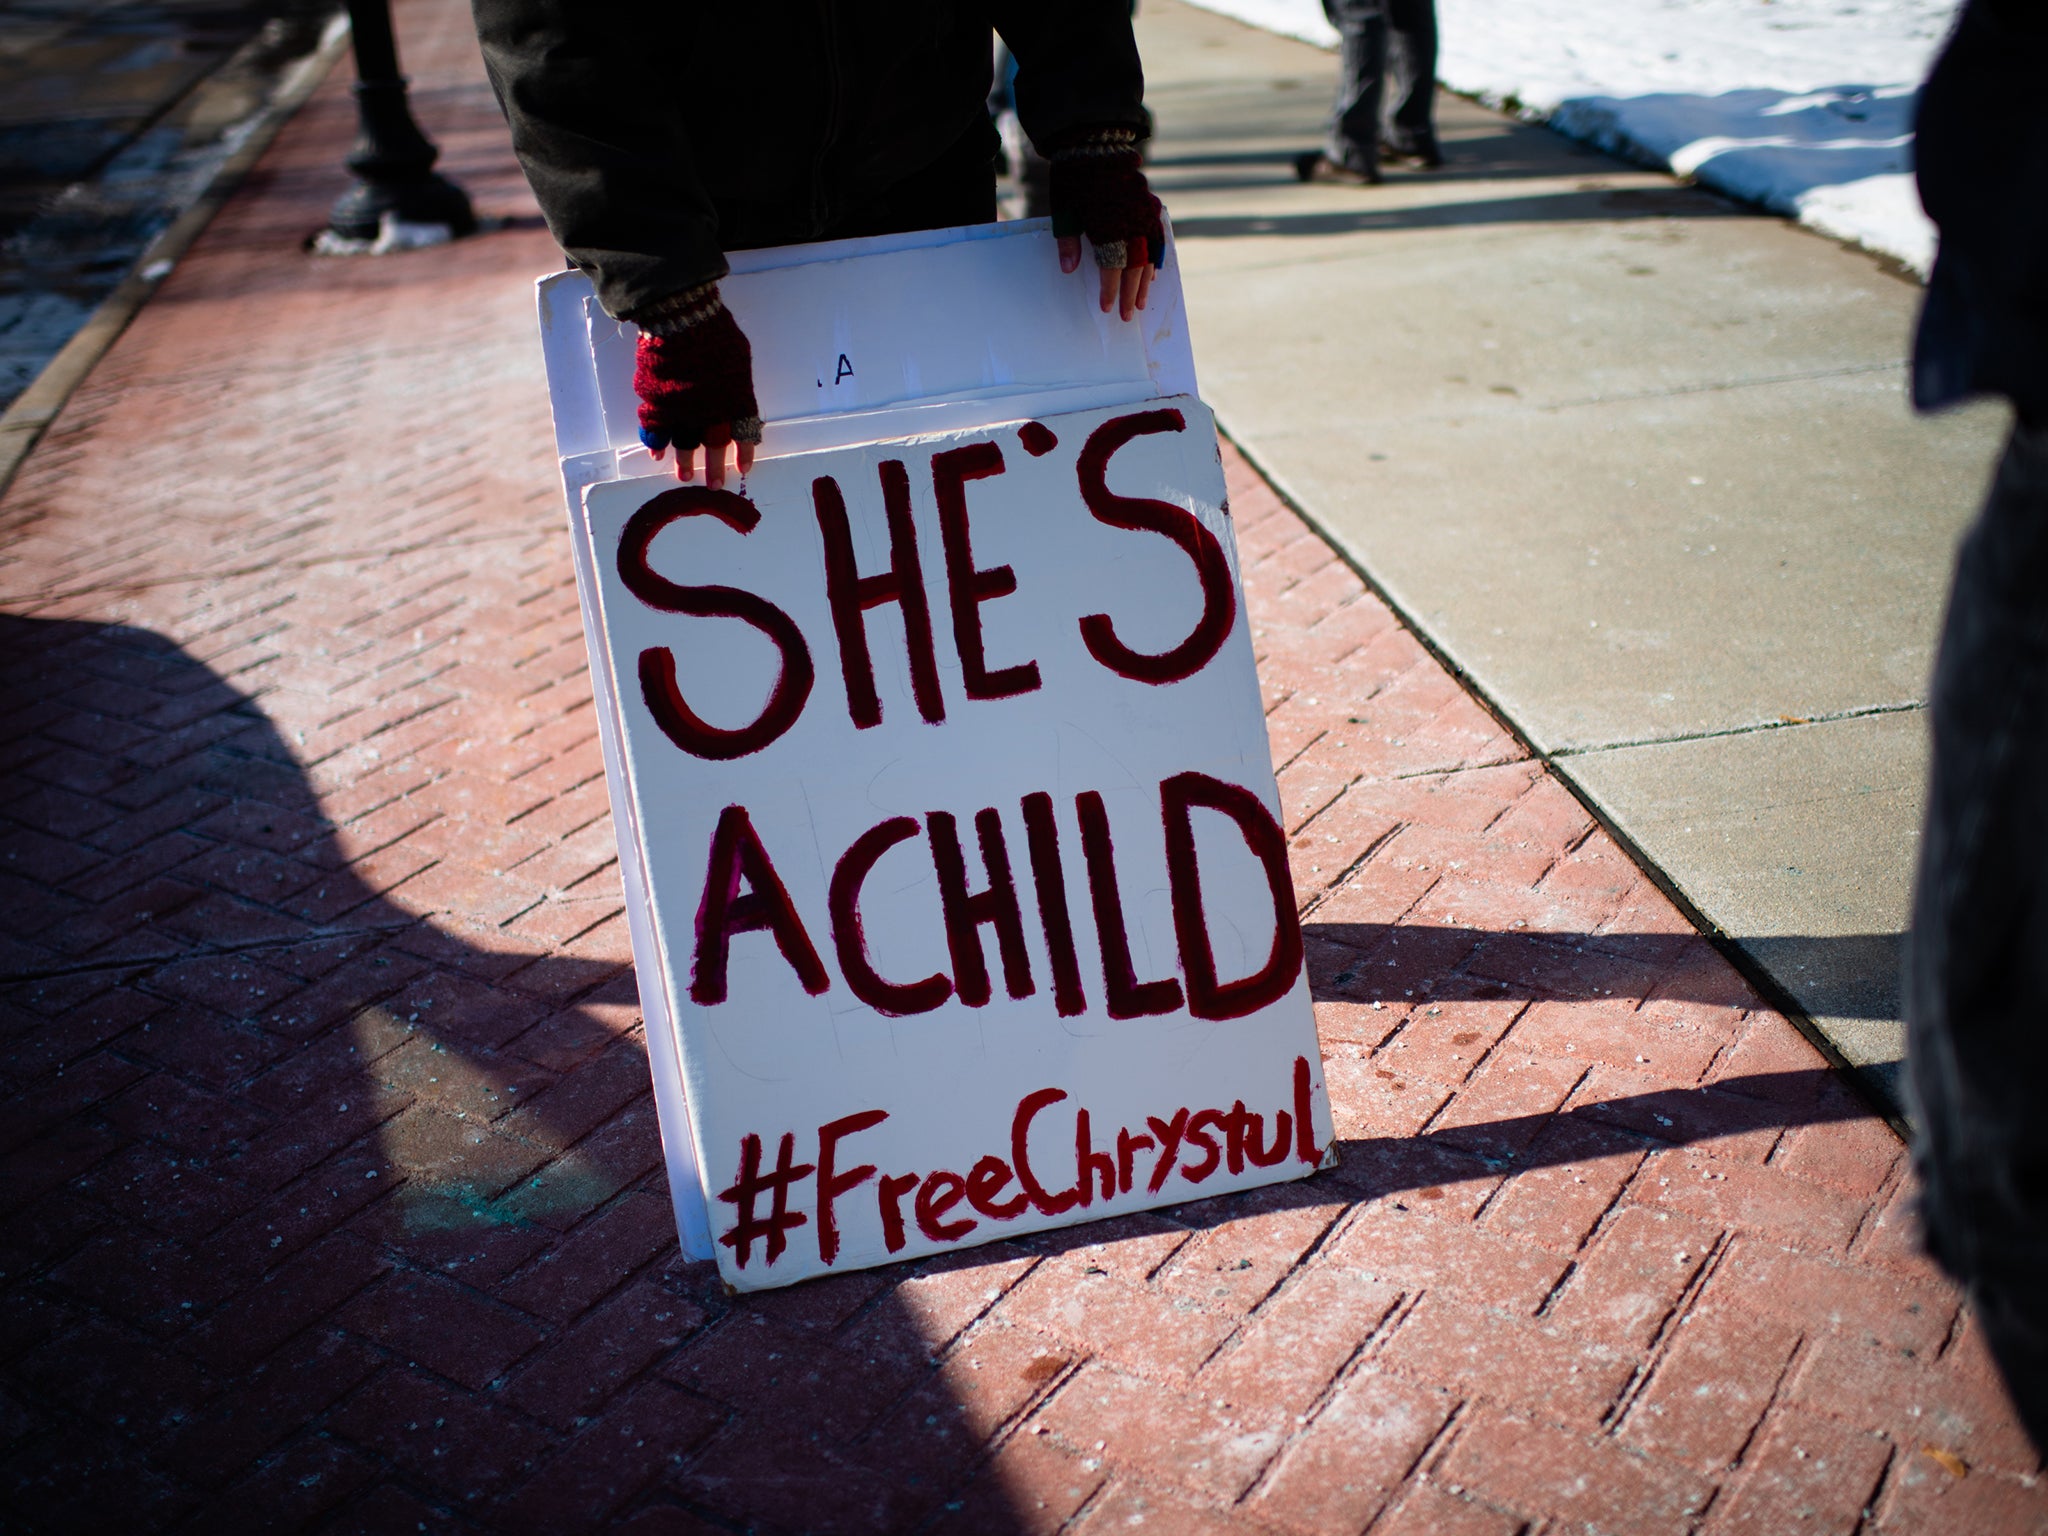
x,y
1803,106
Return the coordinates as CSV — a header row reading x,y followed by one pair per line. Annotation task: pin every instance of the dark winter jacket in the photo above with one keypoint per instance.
x,y
659,134
1981,155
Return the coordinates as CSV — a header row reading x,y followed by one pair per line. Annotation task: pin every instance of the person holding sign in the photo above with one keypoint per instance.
x,y
659,137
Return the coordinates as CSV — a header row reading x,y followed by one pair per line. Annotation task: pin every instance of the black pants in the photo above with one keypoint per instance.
x,y
1382,37
1977,960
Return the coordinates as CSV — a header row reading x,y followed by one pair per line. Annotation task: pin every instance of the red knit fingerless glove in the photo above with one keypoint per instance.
x,y
695,371
1099,190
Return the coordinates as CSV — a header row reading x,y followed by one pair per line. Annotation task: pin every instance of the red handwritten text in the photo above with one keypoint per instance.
x,y
1057,1162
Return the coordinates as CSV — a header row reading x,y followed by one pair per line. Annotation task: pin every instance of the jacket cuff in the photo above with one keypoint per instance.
x,y
678,312
1095,143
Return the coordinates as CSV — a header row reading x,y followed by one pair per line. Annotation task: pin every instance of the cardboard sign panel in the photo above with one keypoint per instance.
x,y
951,799
859,340
1035,353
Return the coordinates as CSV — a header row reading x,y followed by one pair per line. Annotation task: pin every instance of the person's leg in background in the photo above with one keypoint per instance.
x,y
1030,174
1352,150
1408,131
1976,982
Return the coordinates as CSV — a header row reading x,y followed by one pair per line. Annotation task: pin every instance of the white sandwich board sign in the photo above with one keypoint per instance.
x,y
959,895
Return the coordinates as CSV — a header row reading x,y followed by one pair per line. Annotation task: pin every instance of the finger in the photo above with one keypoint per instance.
x,y
658,453
1128,296
715,441
1110,276
686,464
1070,253
744,452
1144,284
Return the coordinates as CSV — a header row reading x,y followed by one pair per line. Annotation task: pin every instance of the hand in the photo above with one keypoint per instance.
x,y
695,378
1125,287
1099,190
716,440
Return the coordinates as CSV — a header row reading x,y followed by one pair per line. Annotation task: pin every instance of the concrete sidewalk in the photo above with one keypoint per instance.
x,y
330,1195
1636,461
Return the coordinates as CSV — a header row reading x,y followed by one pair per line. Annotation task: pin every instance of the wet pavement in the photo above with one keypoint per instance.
x,y
113,119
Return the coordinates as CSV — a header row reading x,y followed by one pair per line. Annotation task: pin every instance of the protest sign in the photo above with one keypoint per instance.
x,y
960,900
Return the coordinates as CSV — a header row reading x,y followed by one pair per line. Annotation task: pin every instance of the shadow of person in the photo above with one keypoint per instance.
x,y
1598,205
1395,962
315,1212
1389,966
314,1208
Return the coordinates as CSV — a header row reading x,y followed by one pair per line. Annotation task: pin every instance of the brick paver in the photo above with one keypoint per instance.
x,y
330,1194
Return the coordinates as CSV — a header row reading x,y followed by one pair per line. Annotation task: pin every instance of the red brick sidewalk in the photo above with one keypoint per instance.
x,y
332,1196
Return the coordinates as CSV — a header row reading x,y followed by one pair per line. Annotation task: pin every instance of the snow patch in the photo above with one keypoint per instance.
x,y
1802,106
1881,212
393,234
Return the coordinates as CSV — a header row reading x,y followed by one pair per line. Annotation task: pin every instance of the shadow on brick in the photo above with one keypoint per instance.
x,y
317,1214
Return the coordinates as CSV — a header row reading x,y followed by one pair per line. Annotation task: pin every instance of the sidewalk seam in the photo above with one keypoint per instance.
x,y
1719,386
24,422
1783,723
1767,985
